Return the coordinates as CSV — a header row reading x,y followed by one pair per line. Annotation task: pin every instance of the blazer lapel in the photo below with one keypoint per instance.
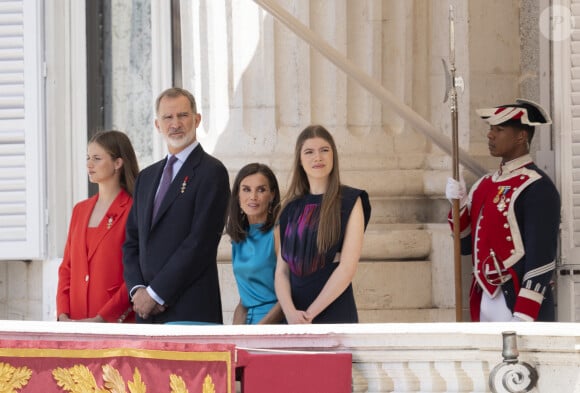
x,y
110,220
181,180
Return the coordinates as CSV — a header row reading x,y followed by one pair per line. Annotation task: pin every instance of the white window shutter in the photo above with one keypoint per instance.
x,y
566,115
22,222
570,144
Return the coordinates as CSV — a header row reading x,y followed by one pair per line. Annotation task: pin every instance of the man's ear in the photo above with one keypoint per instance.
x,y
523,137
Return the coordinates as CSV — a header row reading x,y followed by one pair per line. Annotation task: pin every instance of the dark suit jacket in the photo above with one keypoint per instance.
x,y
90,282
176,254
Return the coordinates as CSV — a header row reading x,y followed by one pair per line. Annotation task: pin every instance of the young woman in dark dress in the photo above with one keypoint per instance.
x,y
320,230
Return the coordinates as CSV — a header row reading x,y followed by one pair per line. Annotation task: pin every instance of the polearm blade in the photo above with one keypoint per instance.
x,y
451,94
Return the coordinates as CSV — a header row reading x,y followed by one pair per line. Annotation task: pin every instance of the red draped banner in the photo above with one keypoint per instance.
x,y
115,366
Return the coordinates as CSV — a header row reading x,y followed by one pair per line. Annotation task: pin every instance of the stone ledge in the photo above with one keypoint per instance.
x,y
407,315
378,285
409,209
396,244
381,242
539,338
385,355
387,285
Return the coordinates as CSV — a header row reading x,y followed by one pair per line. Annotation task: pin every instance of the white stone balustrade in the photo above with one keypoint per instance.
x,y
425,357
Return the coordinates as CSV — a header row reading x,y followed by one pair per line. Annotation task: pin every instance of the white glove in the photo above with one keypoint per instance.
x,y
456,190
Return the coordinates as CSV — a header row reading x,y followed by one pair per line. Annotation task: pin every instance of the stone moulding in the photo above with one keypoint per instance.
x,y
387,357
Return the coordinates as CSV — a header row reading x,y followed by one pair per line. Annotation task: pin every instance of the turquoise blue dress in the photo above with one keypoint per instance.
x,y
254,263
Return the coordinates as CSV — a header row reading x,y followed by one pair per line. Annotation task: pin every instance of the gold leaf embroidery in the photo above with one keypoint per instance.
x,y
12,378
177,384
208,386
113,379
63,379
85,378
77,379
137,385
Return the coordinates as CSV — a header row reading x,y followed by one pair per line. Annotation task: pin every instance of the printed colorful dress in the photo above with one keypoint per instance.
x,y
309,270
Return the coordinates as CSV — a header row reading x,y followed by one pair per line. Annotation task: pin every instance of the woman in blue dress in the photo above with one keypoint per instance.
x,y
320,233
254,205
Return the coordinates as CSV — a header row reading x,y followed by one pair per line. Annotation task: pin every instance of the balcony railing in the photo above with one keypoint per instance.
x,y
431,357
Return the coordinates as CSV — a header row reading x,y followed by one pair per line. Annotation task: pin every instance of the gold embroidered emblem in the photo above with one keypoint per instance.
x,y
13,378
208,386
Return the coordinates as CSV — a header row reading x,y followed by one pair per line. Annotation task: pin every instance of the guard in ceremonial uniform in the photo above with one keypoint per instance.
x,y
509,222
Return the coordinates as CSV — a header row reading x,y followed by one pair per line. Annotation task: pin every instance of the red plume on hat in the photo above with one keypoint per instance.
x,y
526,111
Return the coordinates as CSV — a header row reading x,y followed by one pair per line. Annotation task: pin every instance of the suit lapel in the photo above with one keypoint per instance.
x,y
110,220
181,181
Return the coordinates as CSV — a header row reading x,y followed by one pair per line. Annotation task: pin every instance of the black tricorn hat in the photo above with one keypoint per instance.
x,y
526,111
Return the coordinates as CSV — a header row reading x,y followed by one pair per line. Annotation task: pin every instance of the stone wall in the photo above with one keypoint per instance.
x,y
21,294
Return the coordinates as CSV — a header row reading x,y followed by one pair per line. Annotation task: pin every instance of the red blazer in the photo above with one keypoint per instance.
x,y
90,281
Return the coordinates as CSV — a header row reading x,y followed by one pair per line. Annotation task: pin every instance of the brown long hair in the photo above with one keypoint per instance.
x,y
329,225
118,145
237,225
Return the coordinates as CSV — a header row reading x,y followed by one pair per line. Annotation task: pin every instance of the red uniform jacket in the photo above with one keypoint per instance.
x,y
90,282
510,226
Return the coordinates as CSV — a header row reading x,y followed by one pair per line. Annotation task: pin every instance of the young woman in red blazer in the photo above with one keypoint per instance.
x,y
90,278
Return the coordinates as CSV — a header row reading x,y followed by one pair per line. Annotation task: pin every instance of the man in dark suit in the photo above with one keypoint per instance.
x,y
176,222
